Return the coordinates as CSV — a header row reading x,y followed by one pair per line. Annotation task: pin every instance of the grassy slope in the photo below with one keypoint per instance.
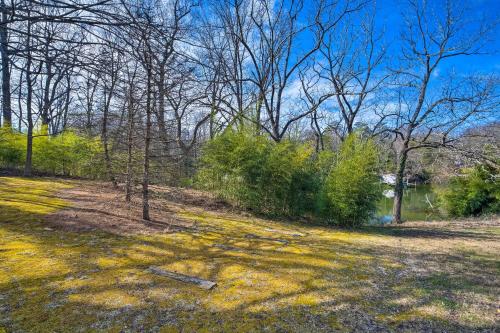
x,y
375,279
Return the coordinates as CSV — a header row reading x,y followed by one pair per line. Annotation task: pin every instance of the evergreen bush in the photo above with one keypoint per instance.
x,y
351,189
475,192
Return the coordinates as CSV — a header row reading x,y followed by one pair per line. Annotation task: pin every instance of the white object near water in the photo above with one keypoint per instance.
x,y
388,193
389,178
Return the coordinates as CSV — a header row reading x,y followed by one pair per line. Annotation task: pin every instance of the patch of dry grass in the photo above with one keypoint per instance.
x,y
271,275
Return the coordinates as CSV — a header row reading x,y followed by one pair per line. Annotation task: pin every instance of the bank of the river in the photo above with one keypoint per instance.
x,y
420,203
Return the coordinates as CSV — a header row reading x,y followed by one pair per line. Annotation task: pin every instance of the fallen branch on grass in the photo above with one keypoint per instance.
x,y
291,233
205,284
252,236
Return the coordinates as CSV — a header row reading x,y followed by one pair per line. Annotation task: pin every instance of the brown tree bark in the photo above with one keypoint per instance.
x,y
147,142
29,101
399,186
105,142
4,52
130,142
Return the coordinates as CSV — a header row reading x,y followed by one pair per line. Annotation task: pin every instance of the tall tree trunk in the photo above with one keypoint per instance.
x,y
89,98
104,134
350,125
29,98
20,104
4,52
320,145
130,133
160,114
147,142
213,112
46,97
67,101
29,147
211,122
258,111
399,186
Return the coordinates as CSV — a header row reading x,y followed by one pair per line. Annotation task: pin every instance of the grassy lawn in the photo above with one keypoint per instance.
x,y
271,276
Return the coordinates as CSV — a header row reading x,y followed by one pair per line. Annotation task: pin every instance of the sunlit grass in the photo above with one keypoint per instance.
x,y
270,274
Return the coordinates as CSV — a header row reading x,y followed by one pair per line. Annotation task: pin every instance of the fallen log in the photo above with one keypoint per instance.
x,y
285,232
205,284
226,247
252,236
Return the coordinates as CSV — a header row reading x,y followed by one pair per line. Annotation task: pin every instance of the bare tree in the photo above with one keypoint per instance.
x,y
169,30
110,61
184,99
29,101
131,112
351,68
273,50
432,107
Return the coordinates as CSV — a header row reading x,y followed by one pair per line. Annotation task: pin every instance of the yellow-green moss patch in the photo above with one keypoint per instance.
x,y
270,275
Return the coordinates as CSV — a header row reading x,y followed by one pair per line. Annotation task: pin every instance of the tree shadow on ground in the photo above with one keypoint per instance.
x,y
327,280
411,232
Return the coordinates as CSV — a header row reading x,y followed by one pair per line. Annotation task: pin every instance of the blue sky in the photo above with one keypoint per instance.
x,y
389,15
389,18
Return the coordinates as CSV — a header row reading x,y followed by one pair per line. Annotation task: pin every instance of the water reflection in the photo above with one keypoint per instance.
x,y
419,204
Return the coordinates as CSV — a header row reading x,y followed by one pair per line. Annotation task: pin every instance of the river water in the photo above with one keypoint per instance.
x,y
416,205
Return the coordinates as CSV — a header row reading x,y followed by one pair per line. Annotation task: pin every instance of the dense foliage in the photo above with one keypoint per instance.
x,y
66,154
12,148
351,189
287,178
255,173
475,192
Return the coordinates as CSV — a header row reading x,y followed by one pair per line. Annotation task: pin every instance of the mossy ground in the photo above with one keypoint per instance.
x,y
272,276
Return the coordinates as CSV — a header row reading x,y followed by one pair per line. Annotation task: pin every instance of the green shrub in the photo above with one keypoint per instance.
x,y
475,192
66,154
351,189
256,173
287,178
12,148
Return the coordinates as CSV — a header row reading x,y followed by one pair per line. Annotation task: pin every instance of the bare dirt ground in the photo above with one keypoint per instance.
x,y
96,206
99,206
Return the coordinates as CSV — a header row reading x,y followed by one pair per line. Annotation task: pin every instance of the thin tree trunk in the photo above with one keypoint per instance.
x,y
212,122
160,114
46,97
4,52
130,128
399,186
258,111
29,147
107,158
29,97
213,112
67,102
147,141
20,107
89,107
320,145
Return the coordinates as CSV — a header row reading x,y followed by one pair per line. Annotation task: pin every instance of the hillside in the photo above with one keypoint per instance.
x,y
74,257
